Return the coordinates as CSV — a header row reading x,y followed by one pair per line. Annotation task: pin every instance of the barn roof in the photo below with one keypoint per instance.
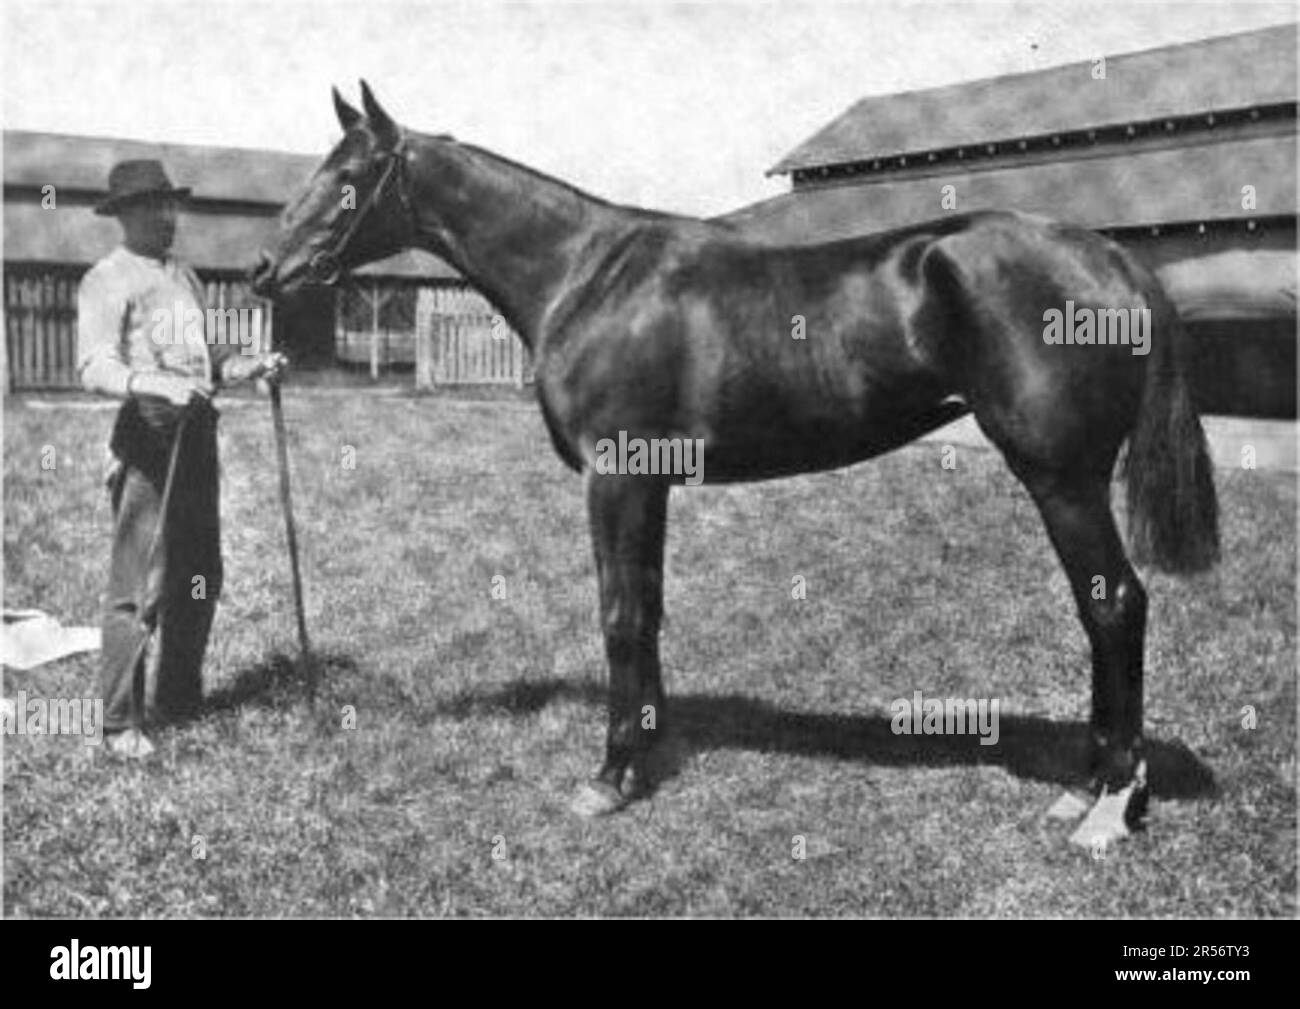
x,y
1123,190
215,173
238,194
1234,71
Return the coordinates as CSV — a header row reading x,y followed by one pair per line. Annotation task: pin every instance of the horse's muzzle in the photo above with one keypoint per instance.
x,y
260,276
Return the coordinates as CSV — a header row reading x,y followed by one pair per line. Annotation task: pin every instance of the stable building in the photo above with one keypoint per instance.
x,y
1186,154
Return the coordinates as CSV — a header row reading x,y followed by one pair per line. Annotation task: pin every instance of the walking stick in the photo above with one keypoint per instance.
x,y
282,454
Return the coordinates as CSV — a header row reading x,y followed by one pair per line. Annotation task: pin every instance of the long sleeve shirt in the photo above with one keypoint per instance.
x,y
137,314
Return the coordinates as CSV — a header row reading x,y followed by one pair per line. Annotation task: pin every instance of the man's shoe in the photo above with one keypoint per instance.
x,y
130,743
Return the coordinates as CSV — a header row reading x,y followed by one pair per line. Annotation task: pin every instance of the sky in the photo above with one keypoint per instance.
x,y
680,107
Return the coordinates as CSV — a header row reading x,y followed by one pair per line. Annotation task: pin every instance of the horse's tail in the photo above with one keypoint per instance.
x,y
1173,513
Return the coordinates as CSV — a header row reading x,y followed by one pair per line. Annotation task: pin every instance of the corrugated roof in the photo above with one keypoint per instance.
x,y
1185,184
214,239
1232,71
413,263
215,173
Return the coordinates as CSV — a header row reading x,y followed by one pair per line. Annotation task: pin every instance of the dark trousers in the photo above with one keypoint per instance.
x,y
177,586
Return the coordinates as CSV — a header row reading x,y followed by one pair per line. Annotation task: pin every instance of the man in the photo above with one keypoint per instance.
x,y
165,570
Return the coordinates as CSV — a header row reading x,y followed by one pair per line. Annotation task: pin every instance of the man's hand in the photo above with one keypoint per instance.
x,y
176,389
268,367
273,366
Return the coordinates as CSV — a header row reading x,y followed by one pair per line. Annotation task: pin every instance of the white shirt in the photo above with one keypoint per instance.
x,y
139,314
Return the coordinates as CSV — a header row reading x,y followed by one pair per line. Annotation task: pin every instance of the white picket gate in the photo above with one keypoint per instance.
x,y
460,339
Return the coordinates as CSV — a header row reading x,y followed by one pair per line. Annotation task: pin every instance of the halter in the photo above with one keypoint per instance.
x,y
324,264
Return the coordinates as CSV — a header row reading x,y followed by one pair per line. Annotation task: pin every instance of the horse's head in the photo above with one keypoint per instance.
x,y
353,210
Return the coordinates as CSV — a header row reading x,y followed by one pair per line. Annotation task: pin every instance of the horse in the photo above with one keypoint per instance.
x,y
782,360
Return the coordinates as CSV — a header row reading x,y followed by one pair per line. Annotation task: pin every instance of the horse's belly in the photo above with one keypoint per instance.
x,y
760,449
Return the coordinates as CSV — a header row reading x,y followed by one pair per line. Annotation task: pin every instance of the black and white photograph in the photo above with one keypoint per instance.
x,y
646,460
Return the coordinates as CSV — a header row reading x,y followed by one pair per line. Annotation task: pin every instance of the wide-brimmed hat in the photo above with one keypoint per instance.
x,y
130,180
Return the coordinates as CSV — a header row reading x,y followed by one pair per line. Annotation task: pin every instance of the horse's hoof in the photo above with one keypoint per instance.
x,y
1114,815
597,799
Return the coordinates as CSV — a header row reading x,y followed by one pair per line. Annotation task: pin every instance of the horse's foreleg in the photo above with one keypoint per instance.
x,y
628,515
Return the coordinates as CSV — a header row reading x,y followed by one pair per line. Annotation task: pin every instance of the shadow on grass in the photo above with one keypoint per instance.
x,y
277,680
1028,746
520,697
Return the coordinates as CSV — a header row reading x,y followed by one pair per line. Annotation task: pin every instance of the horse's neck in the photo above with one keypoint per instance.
x,y
516,235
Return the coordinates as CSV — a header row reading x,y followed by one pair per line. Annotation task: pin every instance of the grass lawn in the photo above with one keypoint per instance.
x,y
477,717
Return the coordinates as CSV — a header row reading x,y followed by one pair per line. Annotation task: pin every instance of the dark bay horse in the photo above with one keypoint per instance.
x,y
788,360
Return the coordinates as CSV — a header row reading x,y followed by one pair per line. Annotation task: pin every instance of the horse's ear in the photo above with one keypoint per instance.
x,y
381,124
348,116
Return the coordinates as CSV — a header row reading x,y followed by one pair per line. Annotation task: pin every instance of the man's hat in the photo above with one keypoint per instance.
x,y
129,180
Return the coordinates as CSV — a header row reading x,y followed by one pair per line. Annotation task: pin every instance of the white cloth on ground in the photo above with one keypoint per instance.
x,y
30,638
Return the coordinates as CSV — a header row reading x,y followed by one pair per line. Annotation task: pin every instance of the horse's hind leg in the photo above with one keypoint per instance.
x,y
1113,607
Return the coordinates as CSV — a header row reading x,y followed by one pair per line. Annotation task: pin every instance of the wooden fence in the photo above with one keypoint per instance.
x,y
380,348
460,339
41,327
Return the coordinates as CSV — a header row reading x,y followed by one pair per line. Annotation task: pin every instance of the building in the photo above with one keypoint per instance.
x,y
52,236
1186,154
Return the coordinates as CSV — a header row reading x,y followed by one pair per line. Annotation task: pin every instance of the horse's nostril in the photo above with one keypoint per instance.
x,y
260,272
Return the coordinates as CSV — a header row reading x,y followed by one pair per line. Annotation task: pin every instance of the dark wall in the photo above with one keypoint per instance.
x,y
304,327
1247,369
